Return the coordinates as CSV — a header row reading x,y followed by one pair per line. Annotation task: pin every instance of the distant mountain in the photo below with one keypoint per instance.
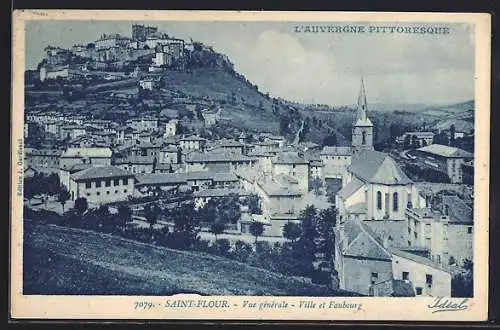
x,y
460,115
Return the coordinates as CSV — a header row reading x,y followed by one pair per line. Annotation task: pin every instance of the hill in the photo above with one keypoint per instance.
x,y
61,260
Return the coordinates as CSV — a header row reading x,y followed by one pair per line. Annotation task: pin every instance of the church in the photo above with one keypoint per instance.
x,y
371,231
374,187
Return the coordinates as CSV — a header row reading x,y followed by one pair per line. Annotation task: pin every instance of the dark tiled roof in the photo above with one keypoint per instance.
x,y
363,242
336,151
100,172
161,178
458,211
219,192
377,167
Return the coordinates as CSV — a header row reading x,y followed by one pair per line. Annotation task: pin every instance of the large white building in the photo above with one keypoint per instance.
x,y
102,184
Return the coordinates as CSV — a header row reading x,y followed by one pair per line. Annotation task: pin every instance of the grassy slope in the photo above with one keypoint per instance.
x,y
218,85
71,261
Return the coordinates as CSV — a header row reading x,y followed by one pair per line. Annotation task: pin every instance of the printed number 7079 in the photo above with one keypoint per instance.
x,y
144,305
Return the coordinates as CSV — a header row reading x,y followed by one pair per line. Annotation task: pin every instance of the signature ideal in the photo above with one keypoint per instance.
x,y
442,304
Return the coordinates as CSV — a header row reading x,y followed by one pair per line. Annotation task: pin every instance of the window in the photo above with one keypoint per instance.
x,y
395,202
116,191
125,181
107,192
428,243
363,137
428,280
116,182
438,259
405,276
374,278
108,183
418,291
379,200
88,184
88,194
125,191
98,184
98,193
469,230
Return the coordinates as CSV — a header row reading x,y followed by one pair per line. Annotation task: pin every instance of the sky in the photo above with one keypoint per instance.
x,y
321,68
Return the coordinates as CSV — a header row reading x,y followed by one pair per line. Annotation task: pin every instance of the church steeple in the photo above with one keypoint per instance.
x,y
361,117
362,130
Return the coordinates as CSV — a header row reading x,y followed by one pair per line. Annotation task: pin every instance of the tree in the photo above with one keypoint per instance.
x,y
217,228
229,209
254,204
330,140
152,211
63,196
316,184
407,142
256,229
414,142
292,231
81,205
124,215
452,134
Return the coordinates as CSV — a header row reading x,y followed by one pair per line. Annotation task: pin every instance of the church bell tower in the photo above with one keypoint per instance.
x,y
362,130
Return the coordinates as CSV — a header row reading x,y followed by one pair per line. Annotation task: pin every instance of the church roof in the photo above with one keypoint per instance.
x,y
377,167
350,188
363,242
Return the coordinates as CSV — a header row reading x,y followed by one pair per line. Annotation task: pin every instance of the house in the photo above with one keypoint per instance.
x,y
65,173
275,140
335,160
427,277
421,139
171,128
83,141
448,160
143,124
369,265
264,161
281,202
71,131
168,155
293,164
192,143
94,156
460,227
316,169
217,162
229,146
163,181
102,184
212,117
136,163
361,260
43,160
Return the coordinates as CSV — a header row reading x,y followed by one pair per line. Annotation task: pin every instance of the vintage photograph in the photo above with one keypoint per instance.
x,y
249,158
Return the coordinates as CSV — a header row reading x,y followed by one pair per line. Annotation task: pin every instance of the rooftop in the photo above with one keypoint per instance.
x,y
217,157
416,258
336,151
100,172
289,158
378,167
458,211
219,192
446,151
87,152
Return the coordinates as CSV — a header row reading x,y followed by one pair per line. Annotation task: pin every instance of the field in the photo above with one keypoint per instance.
x,y
68,261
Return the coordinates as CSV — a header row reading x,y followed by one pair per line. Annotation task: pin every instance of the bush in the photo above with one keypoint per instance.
x,y
221,247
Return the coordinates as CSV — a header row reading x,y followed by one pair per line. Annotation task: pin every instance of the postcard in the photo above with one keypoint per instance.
x,y
219,165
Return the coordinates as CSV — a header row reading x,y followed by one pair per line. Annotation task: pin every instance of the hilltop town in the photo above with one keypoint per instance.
x,y
131,136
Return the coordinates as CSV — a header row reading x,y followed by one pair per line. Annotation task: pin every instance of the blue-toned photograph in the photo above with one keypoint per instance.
x,y
248,158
